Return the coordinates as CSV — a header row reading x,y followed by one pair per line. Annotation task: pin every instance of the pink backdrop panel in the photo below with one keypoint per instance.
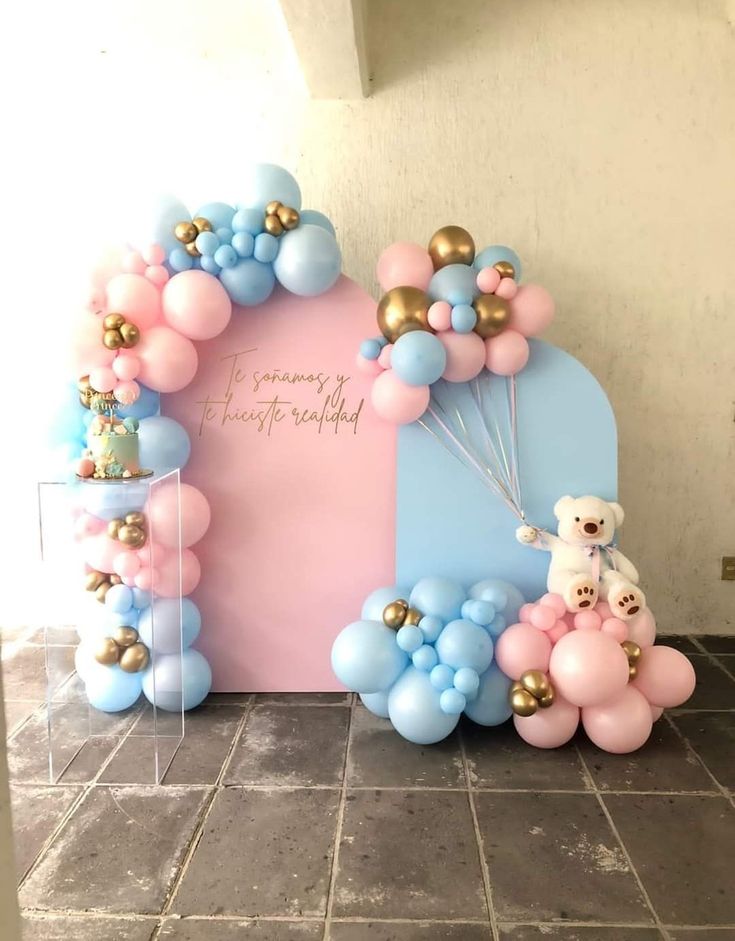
x,y
300,476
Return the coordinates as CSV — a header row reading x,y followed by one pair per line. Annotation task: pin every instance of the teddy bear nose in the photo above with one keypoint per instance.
x,y
590,528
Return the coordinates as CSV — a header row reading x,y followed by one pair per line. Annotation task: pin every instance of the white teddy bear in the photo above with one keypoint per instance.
x,y
584,565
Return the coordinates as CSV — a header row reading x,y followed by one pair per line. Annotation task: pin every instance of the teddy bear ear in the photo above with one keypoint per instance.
x,y
617,513
561,505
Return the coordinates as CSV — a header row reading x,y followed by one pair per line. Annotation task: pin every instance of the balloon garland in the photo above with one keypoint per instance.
x,y
175,283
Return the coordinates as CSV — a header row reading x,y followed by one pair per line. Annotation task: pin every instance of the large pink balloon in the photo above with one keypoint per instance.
x,y
531,310
196,304
588,667
135,298
397,402
620,725
404,263
522,647
507,353
642,628
164,520
549,728
465,355
665,677
86,348
168,361
165,578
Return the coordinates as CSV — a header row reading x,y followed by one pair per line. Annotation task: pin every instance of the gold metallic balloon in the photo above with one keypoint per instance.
x,y
107,651
186,232
394,614
202,225
192,249
113,321
288,217
536,683
505,269
94,580
84,385
632,651
101,592
632,671
130,335
113,527
413,616
493,314
135,658
547,700
400,307
522,702
115,580
451,245
132,536
273,225
112,339
125,636
272,208
135,519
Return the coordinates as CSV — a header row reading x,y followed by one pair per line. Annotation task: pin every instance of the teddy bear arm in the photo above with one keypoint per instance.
x,y
625,567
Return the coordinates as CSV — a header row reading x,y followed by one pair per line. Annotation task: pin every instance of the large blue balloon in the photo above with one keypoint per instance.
x,y
366,657
372,609
313,217
377,703
159,626
110,500
112,689
418,358
169,691
465,644
505,598
438,596
493,254
219,214
164,444
154,223
309,260
456,284
148,403
265,182
491,706
67,424
249,282
414,709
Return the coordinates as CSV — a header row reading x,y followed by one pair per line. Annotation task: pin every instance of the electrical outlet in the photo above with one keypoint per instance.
x,y
728,568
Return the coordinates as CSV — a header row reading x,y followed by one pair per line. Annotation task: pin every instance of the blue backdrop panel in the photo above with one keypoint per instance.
x,y
449,523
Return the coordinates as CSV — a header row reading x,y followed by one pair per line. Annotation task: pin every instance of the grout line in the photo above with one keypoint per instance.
x,y
720,788
712,657
484,868
334,869
611,823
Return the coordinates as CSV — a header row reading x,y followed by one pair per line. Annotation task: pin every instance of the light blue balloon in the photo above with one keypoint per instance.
x,y
180,681
180,260
163,443
438,596
504,597
409,638
209,265
467,681
224,235
148,403
249,282
415,711
493,254
265,182
452,702
119,599
464,318
243,243
491,706
370,349
425,658
431,628
226,256
497,626
374,604
366,658
481,612
418,358
465,644
313,217
207,243
112,689
265,248
248,221
154,223
112,501
127,618
141,599
442,677
159,628
455,284
309,261
219,214
377,703
67,421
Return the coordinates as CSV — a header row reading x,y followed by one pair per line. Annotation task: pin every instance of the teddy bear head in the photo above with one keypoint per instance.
x,y
587,521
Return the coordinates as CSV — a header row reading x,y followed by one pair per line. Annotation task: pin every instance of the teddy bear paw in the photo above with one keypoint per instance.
x,y
526,534
626,601
581,593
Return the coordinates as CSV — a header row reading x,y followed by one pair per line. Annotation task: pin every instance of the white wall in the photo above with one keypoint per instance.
x,y
597,138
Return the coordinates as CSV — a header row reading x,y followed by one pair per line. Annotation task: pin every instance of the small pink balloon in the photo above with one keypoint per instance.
x,y
384,357
604,610
86,524
588,667
128,580
555,602
642,628
665,677
85,467
524,614
587,621
154,255
86,350
165,579
102,379
440,316
163,513
126,392
126,366
99,551
133,263
507,289
507,353
404,263
531,310
465,355
487,280
549,728
543,617
157,275
616,628
369,367
656,712
620,725
558,631
522,647
168,360
144,579
135,298
126,565
196,304
397,402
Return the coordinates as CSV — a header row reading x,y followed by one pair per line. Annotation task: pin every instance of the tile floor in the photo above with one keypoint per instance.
x,y
305,817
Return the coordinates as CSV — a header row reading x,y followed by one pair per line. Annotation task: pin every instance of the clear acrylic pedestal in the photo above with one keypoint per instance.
x,y
151,729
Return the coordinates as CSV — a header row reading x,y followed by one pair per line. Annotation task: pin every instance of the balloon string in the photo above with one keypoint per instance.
x,y
514,439
502,465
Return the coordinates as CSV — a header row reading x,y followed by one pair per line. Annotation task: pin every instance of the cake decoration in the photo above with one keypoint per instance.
x,y
112,442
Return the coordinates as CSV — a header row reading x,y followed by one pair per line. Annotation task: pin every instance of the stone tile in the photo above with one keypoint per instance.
x,y
193,929
16,712
291,745
554,856
712,736
86,928
701,934
262,853
12,632
135,760
716,643
57,636
305,699
714,690
416,931
576,933
408,854
228,699
663,764
24,672
683,848
379,757
680,642
119,852
36,812
499,758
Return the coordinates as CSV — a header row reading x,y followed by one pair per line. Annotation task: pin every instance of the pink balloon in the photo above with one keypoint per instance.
x,y
404,263
507,353
522,647
385,355
656,712
488,279
163,515
555,602
440,316
665,677
106,267
531,310
549,728
165,578
465,355
620,725
135,298
86,350
144,579
102,379
133,263
524,614
558,631
168,361
370,367
604,610
616,628
543,617
88,525
126,366
126,392
99,551
157,275
587,621
154,255
507,289
588,667
397,402
126,564
196,304
642,628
